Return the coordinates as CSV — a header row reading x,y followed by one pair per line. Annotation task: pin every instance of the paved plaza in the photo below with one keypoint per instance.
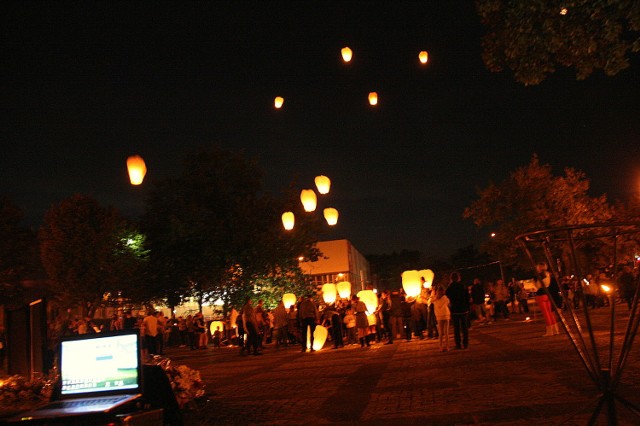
x,y
510,375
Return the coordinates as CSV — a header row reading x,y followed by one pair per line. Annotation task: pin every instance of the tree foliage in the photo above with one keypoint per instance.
x,y
533,199
85,252
212,232
535,37
18,252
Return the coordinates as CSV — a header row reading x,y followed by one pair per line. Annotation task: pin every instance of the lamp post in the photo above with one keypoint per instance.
x,y
493,235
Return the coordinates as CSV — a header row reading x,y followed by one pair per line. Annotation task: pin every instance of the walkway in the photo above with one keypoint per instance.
x,y
510,375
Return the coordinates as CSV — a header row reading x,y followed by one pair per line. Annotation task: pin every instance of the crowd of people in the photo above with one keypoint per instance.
x,y
349,321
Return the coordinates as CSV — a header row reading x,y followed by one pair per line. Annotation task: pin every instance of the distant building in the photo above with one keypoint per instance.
x,y
340,261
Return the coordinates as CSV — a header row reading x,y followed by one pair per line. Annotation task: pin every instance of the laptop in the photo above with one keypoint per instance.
x,y
98,373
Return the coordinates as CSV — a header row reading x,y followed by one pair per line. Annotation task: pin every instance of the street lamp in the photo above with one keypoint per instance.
x,y
493,235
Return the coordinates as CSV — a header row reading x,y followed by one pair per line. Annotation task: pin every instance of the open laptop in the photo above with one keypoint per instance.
x,y
98,373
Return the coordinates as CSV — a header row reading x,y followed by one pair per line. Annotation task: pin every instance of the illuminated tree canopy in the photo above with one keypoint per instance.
x,y
534,38
532,198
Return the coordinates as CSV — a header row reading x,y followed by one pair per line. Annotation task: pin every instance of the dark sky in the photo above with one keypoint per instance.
x,y
86,84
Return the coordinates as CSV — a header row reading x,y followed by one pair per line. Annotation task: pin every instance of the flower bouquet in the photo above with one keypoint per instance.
x,y
18,393
185,382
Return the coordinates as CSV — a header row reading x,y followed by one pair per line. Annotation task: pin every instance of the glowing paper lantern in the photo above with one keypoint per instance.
x,y
215,325
411,283
346,54
288,220
278,101
289,299
373,98
323,184
423,56
319,337
344,289
427,274
331,215
371,319
137,169
329,293
309,200
369,298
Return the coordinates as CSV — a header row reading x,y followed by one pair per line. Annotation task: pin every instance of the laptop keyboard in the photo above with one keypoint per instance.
x,y
78,403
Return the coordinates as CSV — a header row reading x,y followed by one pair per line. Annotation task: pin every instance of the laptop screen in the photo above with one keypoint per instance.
x,y
100,363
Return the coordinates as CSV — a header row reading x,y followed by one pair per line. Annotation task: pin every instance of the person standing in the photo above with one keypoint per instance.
x,y
385,309
3,346
332,316
523,298
407,306
250,325
627,285
545,280
280,323
459,298
350,324
443,315
395,315
200,330
191,332
309,317
115,323
362,323
129,322
162,328
261,323
432,322
150,324
477,300
501,297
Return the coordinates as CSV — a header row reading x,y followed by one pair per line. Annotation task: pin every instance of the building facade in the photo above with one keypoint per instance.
x,y
340,261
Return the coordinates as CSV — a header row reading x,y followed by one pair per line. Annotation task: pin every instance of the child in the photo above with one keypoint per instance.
x,y
217,335
443,315
350,323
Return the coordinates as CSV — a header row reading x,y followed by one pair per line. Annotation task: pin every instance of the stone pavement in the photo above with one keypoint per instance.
x,y
510,375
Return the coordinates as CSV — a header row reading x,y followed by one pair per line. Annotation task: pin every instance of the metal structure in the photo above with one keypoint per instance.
x,y
603,358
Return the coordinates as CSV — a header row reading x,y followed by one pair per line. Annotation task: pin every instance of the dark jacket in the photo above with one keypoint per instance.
x,y
459,297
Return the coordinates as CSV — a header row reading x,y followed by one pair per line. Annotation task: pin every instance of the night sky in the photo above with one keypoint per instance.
x,y
85,85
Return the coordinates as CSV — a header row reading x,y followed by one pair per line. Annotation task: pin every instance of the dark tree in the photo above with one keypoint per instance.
x,y
86,252
18,252
212,233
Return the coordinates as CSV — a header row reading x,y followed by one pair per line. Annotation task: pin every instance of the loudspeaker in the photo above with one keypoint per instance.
x,y
157,393
18,342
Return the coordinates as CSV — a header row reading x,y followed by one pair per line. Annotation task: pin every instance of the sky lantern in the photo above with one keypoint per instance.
x,y
215,325
411,283
329,293
427,274
319,337
370,299
331,215
278,101
137,169
373,98
288,220
323,184
344,289
347,54
289,299
309,200
423,56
